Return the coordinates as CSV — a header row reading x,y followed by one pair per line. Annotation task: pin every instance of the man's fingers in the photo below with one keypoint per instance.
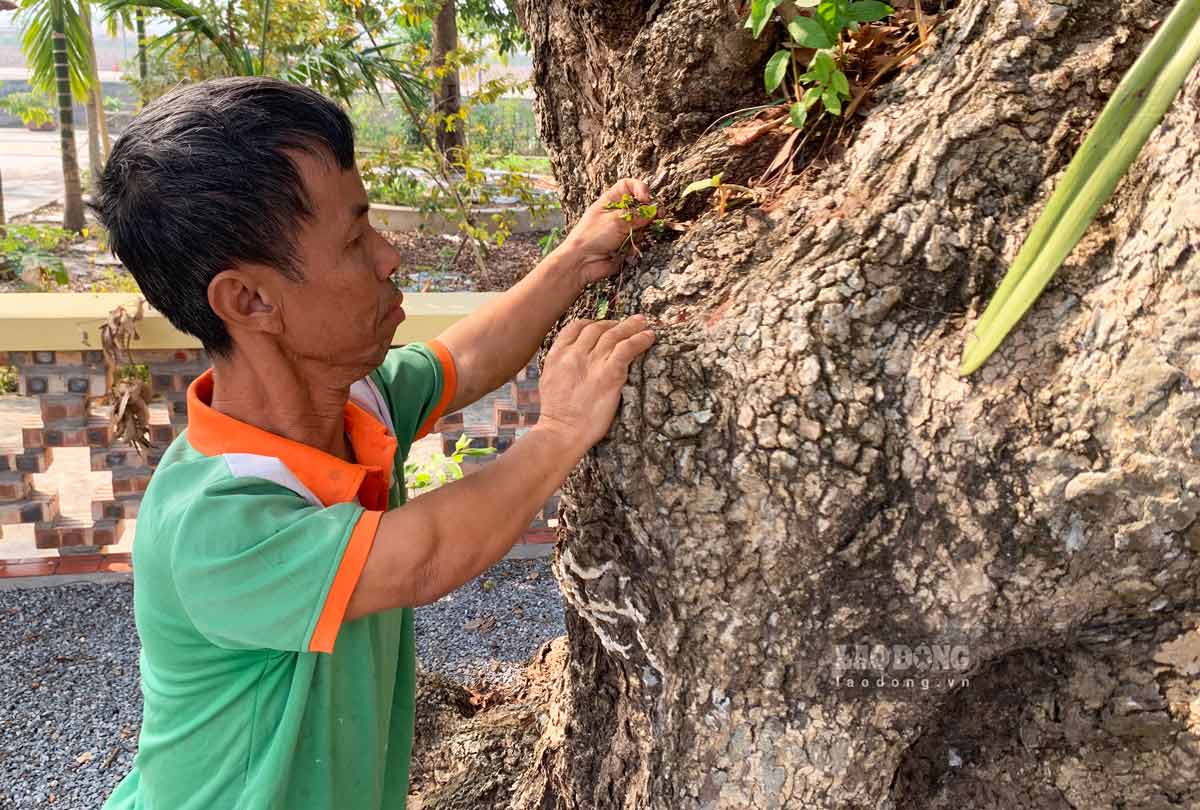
x,y
570,333
636,188
631,348
624,329
592,333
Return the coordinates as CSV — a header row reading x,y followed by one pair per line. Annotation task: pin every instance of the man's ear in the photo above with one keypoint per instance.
x,y
247,299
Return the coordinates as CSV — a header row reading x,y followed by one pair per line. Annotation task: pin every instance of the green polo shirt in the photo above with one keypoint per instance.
x,y
248,547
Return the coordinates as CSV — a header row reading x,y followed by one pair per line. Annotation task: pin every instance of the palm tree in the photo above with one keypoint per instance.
x,y
73,190
38,20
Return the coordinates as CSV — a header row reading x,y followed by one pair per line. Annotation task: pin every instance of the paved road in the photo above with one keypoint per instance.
x,y
31,166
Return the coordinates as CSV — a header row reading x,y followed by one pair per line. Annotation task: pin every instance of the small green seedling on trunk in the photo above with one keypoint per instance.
x,y
725,192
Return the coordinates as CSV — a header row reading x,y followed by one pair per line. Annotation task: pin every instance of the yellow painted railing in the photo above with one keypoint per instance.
x,y
71,321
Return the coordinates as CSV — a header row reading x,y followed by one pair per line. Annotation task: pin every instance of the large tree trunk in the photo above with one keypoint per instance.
x,y
446,95
72,189
797,465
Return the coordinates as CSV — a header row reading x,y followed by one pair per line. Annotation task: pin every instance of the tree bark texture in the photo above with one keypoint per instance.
x,y
446,97
797,465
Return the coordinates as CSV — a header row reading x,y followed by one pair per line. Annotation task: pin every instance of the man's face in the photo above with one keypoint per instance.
x,y
345,310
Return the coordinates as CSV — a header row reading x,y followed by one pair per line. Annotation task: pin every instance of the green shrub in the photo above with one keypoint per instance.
x,y
33,250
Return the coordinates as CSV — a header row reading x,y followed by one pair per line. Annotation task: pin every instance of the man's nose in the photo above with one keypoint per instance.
x,y
389,257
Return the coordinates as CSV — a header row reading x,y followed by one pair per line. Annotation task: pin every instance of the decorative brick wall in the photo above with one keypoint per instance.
x,y
65,381
514,411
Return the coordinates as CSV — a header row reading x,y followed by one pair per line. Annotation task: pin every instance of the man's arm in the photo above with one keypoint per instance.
x,y
492,344
427,548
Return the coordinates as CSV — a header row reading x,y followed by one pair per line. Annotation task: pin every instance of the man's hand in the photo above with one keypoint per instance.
x,y
582,378
592,243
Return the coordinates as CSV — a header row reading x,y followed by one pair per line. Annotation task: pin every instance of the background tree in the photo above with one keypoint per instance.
x,y
98,140
446,97
38,48
140,28
59,13
485,21
797,464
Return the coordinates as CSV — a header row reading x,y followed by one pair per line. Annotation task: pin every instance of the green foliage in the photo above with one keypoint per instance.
x,y
394,184
410,178
502,134
441,469
630,207
505,127
521,164
334,48
37,44
375,57
29,252
498,20
823,80
32,108
8,379
132,371
1114,141
550,241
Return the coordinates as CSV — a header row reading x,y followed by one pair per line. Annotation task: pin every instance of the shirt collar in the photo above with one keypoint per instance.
x,y
330,478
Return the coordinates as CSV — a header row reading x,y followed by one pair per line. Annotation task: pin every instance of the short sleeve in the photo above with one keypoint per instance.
x,y
418,382
256,566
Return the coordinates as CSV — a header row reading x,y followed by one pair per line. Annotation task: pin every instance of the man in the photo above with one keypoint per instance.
x,y
275,563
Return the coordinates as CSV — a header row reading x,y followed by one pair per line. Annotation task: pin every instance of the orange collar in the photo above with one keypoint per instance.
x,y
328,477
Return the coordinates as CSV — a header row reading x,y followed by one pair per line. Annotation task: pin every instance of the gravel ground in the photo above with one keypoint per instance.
x,y
484,631
70,703
69,695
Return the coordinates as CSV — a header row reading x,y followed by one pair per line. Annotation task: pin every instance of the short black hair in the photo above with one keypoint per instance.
x,y
201,179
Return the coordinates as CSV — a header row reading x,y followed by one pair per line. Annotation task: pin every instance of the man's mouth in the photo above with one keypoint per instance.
x,y
396,309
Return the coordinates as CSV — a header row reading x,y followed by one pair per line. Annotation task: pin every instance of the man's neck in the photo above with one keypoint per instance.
x,y
285,398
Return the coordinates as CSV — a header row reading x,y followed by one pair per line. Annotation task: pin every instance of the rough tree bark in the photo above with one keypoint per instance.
x,y
797,465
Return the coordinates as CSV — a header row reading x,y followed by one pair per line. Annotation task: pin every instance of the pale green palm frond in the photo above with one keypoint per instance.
x,y
117,21
1135,109
37,44
190,19
341,68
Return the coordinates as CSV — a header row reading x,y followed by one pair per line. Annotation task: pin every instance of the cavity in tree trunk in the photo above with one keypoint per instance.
x,y
798,474
446,98
72,190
